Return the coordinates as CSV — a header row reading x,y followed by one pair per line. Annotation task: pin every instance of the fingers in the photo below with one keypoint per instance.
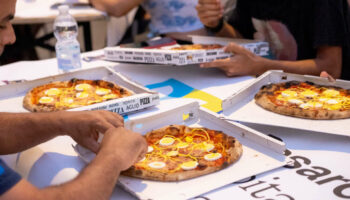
x,y
235,49
90,144
324,74
216,63
208,1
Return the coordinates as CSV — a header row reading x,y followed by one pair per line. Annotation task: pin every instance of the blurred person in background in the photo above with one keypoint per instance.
x,y
172,18
306,37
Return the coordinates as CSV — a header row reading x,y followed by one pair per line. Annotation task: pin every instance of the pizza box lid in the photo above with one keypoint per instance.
x,y
183,57
240,106
260,152
11,96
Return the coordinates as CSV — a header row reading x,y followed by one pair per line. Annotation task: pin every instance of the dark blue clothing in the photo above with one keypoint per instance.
x,y
8,178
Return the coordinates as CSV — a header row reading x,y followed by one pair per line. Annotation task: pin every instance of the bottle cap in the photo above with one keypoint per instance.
x,y
63,8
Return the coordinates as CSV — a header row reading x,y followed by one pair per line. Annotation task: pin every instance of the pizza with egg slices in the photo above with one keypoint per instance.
x,y
63,95
305,100
178,152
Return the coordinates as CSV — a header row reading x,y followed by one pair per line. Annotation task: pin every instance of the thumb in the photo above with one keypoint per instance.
x,y
90,144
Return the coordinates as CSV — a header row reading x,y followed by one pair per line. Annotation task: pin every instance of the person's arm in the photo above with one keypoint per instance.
x,y
210,12
120,148
244,62
116,8
20,131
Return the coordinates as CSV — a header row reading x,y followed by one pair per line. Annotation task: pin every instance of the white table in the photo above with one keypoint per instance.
x,y
321,170
29,12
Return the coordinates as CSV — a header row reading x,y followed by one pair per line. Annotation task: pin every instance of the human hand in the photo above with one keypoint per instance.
x,y
210,12
84,126
324,74
127,146
243,62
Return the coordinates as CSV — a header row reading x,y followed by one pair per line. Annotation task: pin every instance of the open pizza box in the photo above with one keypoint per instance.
x,y
11,96
164,55
260,152
241,106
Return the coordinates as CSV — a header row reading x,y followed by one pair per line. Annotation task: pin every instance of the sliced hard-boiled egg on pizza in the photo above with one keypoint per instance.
x,y
289,93
53,92
68,100
166,141
109,96
311,104
102,91
143,159
332,101
82,87
212,156
157,165
172,153
149,149
295,101
182,145
330,93
82,95
309,93
208,147
334,107
46,100
189,165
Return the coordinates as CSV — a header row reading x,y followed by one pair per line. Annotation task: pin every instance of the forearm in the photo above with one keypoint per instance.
x,y
96,181
228,31
20,131
309,66
116,8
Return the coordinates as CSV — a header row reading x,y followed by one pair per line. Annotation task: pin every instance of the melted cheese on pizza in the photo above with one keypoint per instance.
x,y
75,96
172,154
309,97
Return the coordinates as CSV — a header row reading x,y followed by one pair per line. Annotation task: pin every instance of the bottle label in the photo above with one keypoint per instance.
x,y
68,56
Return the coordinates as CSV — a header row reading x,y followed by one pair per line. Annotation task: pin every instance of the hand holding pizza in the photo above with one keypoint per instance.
x,y
209,12
126,146
84,126
243,62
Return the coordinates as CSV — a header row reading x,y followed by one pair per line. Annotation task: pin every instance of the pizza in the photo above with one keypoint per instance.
x,y
178,152
62,95
198,47
305,100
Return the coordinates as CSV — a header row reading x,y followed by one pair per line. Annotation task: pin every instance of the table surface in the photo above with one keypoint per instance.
x,y
321,161
40,11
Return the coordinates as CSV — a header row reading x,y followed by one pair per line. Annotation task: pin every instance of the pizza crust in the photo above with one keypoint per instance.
x,y
262,98
233,149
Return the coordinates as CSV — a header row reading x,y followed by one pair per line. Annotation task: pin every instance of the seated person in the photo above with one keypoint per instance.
x,y
306,37
175,19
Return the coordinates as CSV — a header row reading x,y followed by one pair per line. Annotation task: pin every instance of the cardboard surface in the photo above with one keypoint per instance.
x,y
240,106
182,57
11,96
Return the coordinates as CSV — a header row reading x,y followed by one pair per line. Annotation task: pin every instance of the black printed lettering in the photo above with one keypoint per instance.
x,y
335,178
297,164
313,175
272,186
258,183
339,191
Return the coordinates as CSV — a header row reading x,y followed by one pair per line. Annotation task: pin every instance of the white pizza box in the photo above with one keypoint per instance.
x,y
11,96
183,57
241,106
261,153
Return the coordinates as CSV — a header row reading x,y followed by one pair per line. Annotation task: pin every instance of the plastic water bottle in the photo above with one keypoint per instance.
x,y
67,46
